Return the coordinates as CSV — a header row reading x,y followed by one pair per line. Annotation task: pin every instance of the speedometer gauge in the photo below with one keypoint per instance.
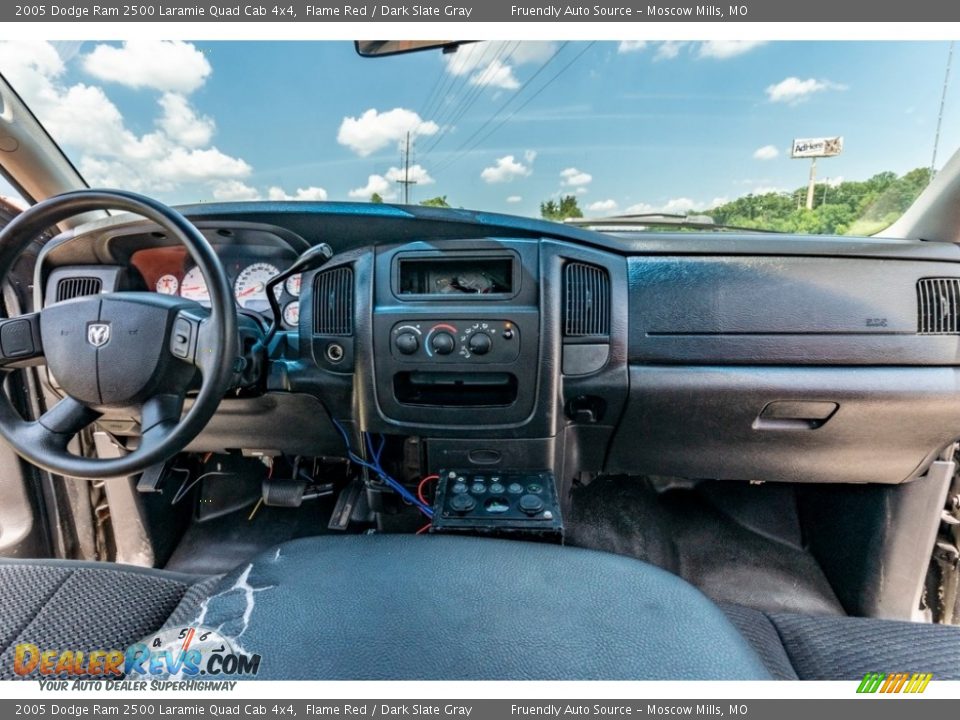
x,y
194,287
250,289
167,284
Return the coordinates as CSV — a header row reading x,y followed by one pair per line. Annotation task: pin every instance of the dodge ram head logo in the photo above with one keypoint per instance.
x,y
98,334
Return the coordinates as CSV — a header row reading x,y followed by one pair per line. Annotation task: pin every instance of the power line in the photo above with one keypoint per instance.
x,y
511,98
475,93
521,107
450,102
452,72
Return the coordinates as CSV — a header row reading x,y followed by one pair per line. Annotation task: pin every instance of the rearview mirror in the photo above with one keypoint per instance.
x,y
383,48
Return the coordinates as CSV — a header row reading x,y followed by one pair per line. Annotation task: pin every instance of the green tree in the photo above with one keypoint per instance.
x,y
848,208
438,201
566,208
376,198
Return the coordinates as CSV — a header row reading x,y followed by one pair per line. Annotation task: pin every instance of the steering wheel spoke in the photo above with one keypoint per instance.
x,y
159,415
65,419
20,341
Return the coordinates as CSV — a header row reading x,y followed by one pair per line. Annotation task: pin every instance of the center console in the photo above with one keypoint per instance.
x,y
456,333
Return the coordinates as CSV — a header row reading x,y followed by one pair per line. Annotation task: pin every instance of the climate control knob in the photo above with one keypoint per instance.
x,y
479,343
443,343
407,343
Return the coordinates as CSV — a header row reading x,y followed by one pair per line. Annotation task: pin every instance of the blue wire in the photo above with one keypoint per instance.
x,y
378,470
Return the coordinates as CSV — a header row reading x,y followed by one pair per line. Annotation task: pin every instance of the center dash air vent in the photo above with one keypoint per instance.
x,y
586,300
333,302
938,306
74,287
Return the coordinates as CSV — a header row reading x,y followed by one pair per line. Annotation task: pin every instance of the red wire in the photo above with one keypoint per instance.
x,y
423,482
422,530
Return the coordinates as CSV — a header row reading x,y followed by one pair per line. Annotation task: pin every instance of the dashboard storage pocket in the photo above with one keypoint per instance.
x,y
455,389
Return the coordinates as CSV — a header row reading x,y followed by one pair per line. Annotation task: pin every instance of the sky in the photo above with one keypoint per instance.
x,y
500,126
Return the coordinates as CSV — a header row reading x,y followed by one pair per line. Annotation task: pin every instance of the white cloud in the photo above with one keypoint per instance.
x,y
514,199
505,170
308,193
492,63
724,49
375,184
234,190
496,74
571,177
669,49
415,173
631,46
674,206
767,190
165,65
181,122
177,151
793,90
602,206
375,130
767,152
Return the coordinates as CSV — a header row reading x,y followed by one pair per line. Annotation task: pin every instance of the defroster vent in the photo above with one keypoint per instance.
x,y
938,306
333,302
587,300
74,287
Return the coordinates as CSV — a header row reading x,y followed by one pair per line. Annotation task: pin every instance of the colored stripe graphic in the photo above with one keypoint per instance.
x,y
889,683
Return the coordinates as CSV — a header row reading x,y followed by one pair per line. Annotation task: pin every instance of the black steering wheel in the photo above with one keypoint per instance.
x,y
136,350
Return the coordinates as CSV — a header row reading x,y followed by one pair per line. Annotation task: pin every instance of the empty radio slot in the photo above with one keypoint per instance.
x,y
455,389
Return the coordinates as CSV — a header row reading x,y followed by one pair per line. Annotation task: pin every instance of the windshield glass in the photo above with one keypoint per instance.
x,y
807,137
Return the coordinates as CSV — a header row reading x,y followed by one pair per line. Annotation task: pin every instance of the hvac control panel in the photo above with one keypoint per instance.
x,y
497,502
455,341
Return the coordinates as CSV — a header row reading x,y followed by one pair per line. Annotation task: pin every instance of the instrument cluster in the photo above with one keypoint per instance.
x,y
170,271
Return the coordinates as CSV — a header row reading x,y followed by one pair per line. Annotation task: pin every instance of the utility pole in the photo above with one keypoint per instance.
x,y
406,182
813,183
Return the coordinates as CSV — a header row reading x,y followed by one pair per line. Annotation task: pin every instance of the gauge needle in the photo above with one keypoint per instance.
x,y
256,288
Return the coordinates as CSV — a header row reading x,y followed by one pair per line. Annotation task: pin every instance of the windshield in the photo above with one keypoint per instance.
x,y
806,137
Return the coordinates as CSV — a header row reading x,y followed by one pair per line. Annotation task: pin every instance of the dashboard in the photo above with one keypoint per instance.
x,y
493,341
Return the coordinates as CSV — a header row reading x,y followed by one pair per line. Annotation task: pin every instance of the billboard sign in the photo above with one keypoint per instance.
x,y
816,147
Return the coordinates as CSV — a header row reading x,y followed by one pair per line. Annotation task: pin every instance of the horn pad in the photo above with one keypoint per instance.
x,y
112,350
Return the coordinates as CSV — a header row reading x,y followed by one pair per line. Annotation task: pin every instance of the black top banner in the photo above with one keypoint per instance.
x,y
312,11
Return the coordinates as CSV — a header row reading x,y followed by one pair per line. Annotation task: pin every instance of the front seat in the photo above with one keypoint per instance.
x,y
405,607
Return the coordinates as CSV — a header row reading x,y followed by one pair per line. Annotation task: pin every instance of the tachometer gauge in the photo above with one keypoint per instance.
x,y
167,284
250,289
194,287
293,284
291,314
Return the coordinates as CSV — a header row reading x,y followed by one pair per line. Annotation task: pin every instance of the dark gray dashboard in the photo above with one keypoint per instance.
x,y
718,356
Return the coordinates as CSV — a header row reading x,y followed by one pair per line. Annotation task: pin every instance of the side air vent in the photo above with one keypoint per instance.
x,y
74,287
333,302
587,300
938,306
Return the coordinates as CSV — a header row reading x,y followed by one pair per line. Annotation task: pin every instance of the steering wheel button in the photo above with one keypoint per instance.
x,y
16,338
